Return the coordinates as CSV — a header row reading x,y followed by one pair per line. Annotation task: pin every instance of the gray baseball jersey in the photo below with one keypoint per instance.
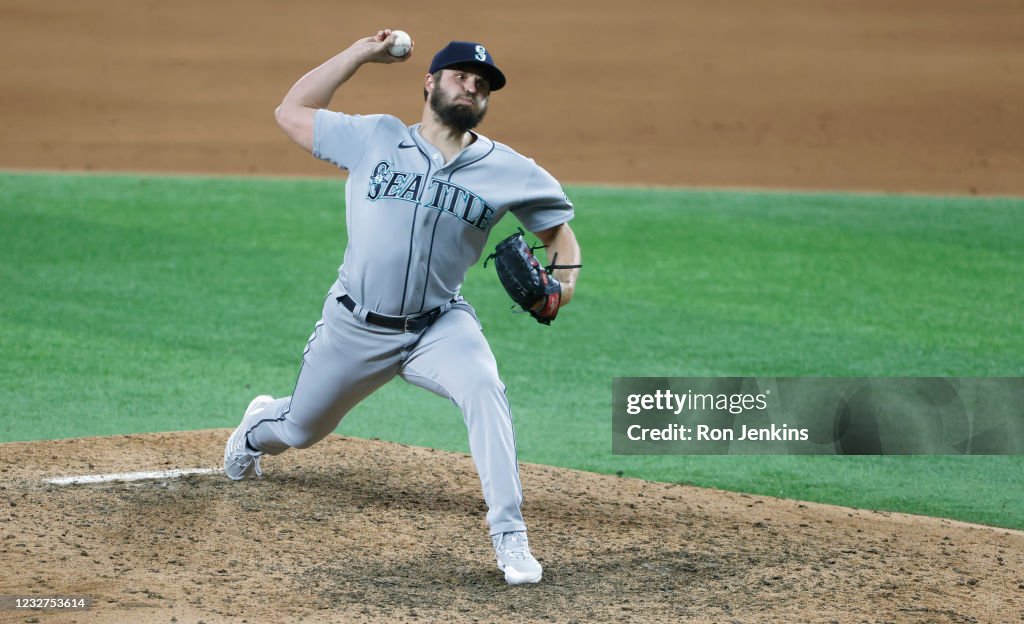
x,y
415,223
415,226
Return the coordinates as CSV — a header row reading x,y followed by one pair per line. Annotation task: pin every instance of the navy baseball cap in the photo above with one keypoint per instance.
x,y
469,53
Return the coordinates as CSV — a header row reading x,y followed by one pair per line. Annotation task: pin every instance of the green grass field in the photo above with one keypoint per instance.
x,y
135,304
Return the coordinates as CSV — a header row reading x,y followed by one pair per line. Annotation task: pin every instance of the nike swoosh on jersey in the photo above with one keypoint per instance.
x,y
402,145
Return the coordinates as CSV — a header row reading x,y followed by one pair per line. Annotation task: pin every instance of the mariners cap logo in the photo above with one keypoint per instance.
x,y
481,53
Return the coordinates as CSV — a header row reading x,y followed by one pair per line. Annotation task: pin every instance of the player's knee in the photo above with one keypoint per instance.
x,y
481,374
302,438
482,385
306,442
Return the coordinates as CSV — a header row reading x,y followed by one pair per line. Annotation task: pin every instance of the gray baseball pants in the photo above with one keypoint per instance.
x,y
347,359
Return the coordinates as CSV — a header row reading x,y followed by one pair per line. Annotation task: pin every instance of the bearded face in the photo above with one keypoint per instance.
x,y
456,106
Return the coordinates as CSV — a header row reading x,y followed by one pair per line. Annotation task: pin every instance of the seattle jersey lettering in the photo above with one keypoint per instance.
x,y
439,195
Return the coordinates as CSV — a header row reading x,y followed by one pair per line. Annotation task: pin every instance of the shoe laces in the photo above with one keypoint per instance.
x,y
243,460
241,457
514,545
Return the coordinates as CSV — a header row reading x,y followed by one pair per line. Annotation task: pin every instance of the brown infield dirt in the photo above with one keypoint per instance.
x,y
873,95
357,530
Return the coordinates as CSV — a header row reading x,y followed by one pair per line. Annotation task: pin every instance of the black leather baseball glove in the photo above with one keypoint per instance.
x,y
530,285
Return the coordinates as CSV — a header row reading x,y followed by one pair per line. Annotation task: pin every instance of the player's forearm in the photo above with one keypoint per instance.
x,y
563,249
297,113
315,89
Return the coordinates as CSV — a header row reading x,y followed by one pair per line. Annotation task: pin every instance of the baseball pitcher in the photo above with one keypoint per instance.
x,y
420,202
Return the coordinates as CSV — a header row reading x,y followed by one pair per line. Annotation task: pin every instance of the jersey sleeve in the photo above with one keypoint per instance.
x,y
342,139
544,204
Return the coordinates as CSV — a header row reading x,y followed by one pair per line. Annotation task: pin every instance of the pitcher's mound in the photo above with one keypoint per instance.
x,y
356,530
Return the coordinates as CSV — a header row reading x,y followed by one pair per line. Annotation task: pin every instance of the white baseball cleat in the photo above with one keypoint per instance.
x,y
239,461
514,559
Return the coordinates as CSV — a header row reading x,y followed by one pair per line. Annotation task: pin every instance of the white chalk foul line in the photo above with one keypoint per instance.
x,y
129,476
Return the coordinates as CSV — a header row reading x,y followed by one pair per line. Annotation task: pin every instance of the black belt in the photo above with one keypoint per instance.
x,y
414,323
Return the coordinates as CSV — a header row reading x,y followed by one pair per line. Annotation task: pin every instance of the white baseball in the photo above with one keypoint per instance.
x,y
402,44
